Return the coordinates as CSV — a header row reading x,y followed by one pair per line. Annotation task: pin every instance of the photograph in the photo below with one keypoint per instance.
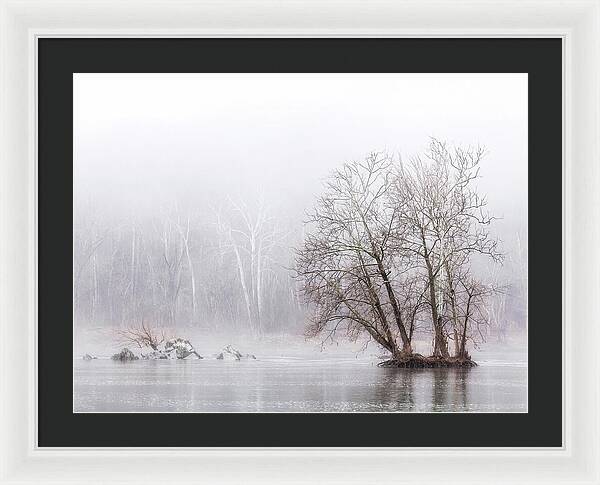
x,y
300,243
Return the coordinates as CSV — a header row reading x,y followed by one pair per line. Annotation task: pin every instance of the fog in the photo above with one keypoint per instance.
x,y
169,168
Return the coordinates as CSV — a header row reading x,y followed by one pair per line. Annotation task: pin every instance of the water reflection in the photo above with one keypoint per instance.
x,y
450,389
461,388
439,388
395,389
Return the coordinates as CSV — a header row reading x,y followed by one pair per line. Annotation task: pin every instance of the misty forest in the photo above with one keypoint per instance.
x,y
393,286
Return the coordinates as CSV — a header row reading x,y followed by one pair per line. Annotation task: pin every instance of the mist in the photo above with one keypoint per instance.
x,y
179,178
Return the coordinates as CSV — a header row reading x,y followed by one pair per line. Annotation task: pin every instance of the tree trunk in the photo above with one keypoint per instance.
x,y
95,296
191,267
456,342
376,302
133,262
440,343
451,296
245,290
440,347
463,341
406,343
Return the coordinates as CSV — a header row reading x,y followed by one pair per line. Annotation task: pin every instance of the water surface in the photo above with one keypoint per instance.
x,y
295,385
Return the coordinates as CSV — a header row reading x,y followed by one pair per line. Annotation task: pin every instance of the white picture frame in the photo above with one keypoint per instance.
x,y
576,22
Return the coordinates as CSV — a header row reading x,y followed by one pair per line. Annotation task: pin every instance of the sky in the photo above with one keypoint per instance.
x,y
144,140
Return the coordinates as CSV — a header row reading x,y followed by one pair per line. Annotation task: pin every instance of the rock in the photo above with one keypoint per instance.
x,y
181,348
192,356
155,355
89,357
125,355
231,353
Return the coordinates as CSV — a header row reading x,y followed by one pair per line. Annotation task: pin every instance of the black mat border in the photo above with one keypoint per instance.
x,y
58,59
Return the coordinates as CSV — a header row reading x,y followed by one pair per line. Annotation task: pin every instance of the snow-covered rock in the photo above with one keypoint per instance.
x,y
181,349
231,353
124,355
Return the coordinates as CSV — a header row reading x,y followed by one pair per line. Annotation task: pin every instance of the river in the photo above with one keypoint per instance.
x,y
295,384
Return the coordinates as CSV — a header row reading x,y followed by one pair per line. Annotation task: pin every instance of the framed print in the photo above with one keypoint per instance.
x,y
299,286
300,255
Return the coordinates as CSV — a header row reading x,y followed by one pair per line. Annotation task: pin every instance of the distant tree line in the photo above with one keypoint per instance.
x,y
223,268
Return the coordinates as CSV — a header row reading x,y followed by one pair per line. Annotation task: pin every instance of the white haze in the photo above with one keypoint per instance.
x,y
149,138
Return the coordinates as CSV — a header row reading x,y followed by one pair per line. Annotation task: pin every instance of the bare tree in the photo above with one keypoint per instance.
x,y
251,237
497,302
171,256
184,233
519,264
443,222
389,240
87,240
142,336
347,263
472,296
